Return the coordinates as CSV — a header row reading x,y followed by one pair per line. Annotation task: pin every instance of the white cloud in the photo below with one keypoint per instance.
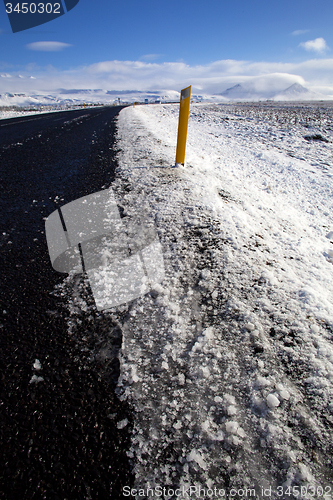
x,y
48,46
299,32
150,57
211,78
318,45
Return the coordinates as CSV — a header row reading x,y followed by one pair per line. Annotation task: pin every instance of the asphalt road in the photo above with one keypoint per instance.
x,y
58,437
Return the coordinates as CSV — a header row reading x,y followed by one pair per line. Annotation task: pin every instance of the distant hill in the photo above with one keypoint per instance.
x,y
69,97
297,92
21,100
240,93
248,92
60,98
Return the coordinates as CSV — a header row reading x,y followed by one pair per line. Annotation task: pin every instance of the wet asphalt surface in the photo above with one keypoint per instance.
x,y
58,437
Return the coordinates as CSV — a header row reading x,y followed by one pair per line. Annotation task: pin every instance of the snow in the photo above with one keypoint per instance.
x,y
14,104
37,365
35,379
273,401
228,365
259,90
122,424
24,104
228,362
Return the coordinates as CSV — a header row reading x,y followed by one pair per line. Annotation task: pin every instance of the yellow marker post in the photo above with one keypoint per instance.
x,y
184,111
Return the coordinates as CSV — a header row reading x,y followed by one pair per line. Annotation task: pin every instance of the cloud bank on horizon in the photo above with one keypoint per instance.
x,y
215,77
134,46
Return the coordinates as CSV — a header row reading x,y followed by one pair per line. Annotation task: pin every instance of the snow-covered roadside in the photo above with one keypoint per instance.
x,y
14,114
4,114
229,364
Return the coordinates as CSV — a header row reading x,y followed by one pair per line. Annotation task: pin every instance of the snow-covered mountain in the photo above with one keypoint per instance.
x,y
21,99
240,93
249,92
73,97
245,92
297,92
63,97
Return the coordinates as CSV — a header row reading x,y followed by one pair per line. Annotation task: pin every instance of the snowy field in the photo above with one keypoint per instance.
x,y
4,114
228,364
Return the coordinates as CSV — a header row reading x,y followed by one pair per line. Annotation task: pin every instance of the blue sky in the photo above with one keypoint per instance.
x,y
213,43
